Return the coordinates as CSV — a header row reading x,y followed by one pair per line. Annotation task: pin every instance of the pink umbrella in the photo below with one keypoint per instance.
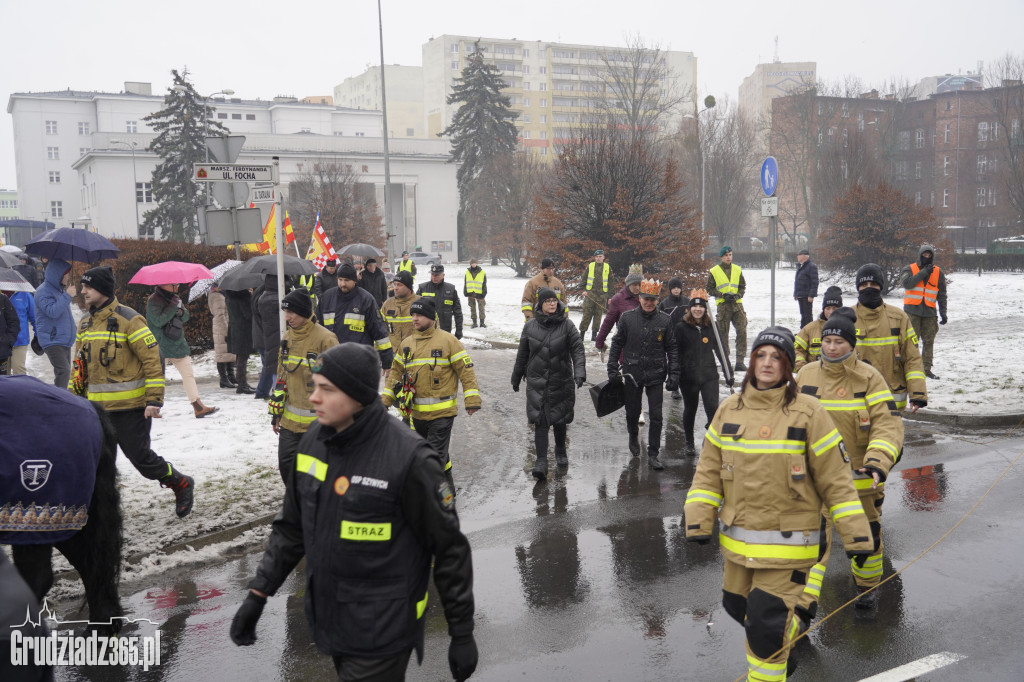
x,y
171,272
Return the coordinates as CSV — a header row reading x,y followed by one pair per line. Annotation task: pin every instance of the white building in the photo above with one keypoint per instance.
x,y
81,158
404,97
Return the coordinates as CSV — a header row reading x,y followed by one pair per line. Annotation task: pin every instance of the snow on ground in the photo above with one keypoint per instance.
x,y
233,454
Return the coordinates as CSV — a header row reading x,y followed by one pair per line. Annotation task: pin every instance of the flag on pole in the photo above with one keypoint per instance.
x,y
269,244
320,249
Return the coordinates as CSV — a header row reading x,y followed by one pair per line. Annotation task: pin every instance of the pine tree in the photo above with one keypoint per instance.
x,y
181,126
482,127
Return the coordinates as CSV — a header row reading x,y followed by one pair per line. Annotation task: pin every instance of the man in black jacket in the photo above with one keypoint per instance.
x,y
446,299
384,487
805,286
644,355
374,281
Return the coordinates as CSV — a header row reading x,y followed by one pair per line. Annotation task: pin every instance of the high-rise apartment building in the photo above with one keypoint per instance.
x,y
404,97
769,81
550,84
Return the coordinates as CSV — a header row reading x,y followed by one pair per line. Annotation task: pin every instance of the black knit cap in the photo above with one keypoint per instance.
x,y
405,277
870,272
299,302
347,271
331,263
352,367
100,278
547,263
781,338
833,297
842,323
425,307
674,283
544,293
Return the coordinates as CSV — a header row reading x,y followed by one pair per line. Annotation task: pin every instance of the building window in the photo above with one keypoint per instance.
x,y
526,68
526,85
982,164
131,126
1015,129
917,170
51,127
543,70
992,194
526,118
543,86
144,192
917,198
919,139
543,103
948,134
82,151
455,66
360,134
903,140
455,48
236,117
949,105
83,127
526,52
305,130
982,131
946,165
526,134
409,132
846,110
222,115
53,153
526,101
860,121
830,131
543,118
931,199
945,198
846,137
821,137
543,134
56,209
981,196
54,177
250,117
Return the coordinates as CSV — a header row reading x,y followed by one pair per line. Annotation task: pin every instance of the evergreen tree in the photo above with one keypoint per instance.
x,y
181,126
482,127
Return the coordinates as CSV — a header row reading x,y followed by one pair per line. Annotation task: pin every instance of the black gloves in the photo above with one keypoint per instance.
x,y
614,377
243,627
700,539
672,384
943,319
515,386
859,558
731,298
730,382
919,402
458,332
875,470
579,382
462,657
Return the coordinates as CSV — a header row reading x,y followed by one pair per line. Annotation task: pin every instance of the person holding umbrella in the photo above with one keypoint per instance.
x,y
166,317
55,326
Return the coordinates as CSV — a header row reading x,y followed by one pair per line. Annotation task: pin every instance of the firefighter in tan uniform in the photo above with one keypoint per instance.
x,y
395,310
290,410
425,377
544,278
887,341
118,367
808,340
858,400
771,460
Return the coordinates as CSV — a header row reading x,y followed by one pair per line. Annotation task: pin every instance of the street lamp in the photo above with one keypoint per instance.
x,y
709,103
132,144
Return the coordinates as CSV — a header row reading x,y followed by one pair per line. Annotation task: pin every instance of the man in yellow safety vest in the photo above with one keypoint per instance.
x,y
726,280
474,288
595,301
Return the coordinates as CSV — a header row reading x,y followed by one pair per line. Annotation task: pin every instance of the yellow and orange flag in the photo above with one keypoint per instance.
x,y
320,248
269,244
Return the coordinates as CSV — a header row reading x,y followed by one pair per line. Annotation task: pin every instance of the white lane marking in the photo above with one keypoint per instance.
x,y
915,668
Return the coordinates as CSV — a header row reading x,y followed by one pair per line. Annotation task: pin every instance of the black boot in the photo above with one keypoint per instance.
x,y
866,600
634,445
689,450
242,385
593,335
229,372
740,367
223,372
654,462
540,469
182,486
561,458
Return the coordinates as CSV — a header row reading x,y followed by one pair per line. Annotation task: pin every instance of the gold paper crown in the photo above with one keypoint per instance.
x,y
636,269
699,293
650,287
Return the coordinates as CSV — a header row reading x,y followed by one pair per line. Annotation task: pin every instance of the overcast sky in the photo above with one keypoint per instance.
x,y
300,47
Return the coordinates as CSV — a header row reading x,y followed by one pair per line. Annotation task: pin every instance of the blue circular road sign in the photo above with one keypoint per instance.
x,y
769,176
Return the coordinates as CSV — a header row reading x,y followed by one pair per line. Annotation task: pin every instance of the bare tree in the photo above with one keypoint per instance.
x,y
347,207
1007,74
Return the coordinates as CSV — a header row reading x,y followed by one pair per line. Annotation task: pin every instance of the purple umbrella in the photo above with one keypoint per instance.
x,y
72,245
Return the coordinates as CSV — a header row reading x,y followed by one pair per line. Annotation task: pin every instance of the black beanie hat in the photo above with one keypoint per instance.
x,y
673,283
425,307
547,263
405,277
544,293
347,271
352,367
842,323
100,278
833,296
781,338
869,272
299,302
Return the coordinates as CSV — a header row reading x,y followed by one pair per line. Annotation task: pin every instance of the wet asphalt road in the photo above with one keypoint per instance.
x,y
587,577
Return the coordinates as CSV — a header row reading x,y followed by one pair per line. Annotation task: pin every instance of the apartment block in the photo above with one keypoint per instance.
x,y
404,97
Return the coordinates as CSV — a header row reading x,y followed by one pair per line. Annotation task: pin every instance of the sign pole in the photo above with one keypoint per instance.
x,y
771,238
238,242
279,237
770,209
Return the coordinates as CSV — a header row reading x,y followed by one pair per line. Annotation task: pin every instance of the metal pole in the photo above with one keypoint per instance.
x,y
279,237
387,158
135,183
771,256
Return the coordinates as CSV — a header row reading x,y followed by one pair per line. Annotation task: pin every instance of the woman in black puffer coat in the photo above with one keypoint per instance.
x,y
698,375
674,305
552,360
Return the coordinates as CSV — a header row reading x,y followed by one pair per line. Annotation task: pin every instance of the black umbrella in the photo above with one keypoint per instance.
x,y
11,280
608,396
363,250
251,273
70,244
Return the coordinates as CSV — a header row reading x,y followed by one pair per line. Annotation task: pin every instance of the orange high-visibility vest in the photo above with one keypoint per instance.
x,y
927,291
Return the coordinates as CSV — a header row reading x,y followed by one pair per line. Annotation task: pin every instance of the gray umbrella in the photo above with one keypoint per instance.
x,y
364,250
8,260
11,280
251,273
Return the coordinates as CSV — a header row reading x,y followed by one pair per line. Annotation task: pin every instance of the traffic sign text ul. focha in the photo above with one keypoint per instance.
x,y
232,172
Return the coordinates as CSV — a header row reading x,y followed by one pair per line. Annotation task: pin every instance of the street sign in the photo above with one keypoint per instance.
x,y
225,148
262,195
225,227
769,207
231,172
769,176
230,194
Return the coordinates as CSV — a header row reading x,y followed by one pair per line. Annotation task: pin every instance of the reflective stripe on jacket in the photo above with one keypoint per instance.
x,y
437,362
304,345
887,341
475,285
398,319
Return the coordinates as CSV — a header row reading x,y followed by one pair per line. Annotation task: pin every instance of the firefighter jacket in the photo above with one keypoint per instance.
x,y
437,362
858,400
122,358
726,279
300,348
354,317
446,300
601,275
925,287
887,342
807,343
398,319
369,509
766,471
474,284
645,346
533,286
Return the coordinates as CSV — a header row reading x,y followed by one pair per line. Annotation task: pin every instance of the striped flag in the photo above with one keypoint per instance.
x,y
320,249
269,244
